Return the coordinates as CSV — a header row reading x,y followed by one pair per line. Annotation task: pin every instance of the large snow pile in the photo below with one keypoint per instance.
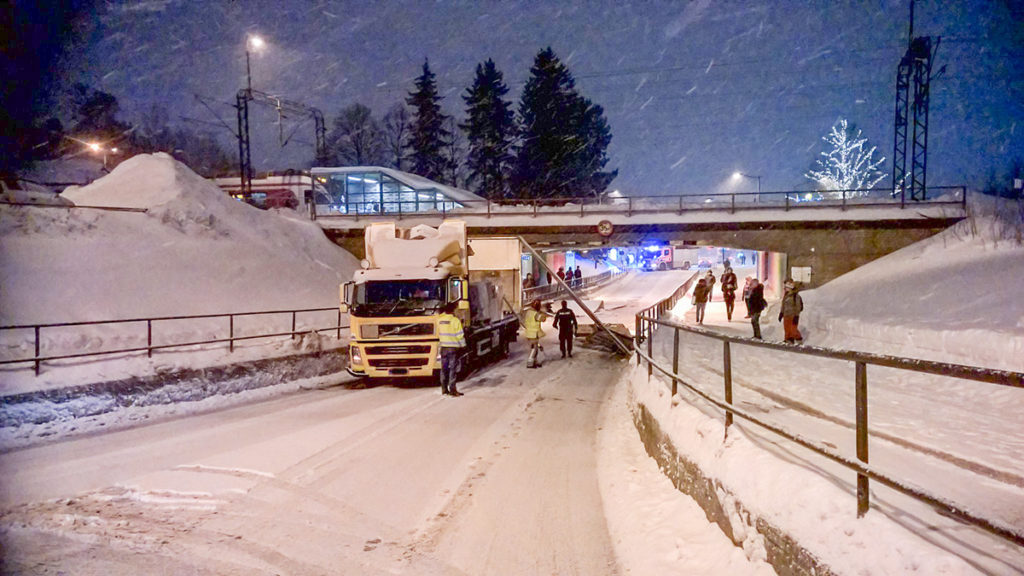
x,y
954,297
194,251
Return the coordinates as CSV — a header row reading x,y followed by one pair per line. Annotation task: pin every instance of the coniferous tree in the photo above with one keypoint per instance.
x,y
563,136
490,130
429,135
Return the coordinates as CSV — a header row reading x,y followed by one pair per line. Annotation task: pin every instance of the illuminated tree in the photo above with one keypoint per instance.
x,y
848,165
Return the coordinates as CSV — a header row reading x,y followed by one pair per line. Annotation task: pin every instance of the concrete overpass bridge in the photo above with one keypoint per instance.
x,y
831,233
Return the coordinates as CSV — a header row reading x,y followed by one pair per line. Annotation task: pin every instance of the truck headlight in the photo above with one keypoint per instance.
x,y
354,356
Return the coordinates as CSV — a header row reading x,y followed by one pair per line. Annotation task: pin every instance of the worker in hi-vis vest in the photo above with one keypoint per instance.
x,y
451,339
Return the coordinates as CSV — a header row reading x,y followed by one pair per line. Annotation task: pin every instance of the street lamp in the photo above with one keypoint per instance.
x,y
252,43
737,175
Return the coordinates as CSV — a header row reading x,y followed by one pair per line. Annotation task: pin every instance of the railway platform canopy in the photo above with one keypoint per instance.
x,y
376,190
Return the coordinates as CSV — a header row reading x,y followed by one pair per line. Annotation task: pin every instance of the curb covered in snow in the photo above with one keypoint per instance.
x,y
784,553
187,385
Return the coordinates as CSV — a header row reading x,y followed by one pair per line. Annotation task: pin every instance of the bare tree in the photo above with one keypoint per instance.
x,y
356,138
396,135
454,158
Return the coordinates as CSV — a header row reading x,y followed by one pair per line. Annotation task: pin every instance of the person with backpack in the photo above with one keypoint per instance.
x,y
565,322
755,305
729,292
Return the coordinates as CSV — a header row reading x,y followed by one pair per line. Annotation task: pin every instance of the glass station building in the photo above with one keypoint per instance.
x,y
377,190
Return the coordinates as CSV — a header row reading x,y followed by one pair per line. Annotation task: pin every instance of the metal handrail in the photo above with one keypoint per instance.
x,y
647,321
678,203
553,290
37,359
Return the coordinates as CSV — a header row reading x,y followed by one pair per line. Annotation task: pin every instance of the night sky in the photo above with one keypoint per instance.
x,y
693,91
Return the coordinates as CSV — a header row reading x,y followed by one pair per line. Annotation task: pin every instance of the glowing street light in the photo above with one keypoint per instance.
x,y
95,147
737,175
252,44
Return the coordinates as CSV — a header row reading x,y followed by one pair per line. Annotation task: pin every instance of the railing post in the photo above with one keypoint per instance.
x,y
293,324
149,338
37,350
863,502
844,201
675,359
231,332
629,206
787,202
339,324
732,209
680,212
727,373
650,345
639,339
488,209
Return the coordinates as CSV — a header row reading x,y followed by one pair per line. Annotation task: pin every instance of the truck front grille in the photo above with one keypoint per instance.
x,y
411,349
398,362
396,330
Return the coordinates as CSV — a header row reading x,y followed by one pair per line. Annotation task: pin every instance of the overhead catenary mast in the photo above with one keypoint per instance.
x,y
915,68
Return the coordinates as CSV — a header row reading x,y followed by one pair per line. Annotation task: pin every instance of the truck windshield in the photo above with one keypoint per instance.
x,y
398,298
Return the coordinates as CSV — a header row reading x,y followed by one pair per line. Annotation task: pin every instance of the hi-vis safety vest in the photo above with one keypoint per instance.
x,y
450,331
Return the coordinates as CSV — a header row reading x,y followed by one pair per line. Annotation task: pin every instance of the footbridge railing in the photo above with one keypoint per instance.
x,y
730,202
650,322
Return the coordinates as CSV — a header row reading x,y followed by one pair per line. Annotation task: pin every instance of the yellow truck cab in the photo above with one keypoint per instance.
x,y
407,279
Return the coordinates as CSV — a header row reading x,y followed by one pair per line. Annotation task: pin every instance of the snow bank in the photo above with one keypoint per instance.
x,y
952,297
194,250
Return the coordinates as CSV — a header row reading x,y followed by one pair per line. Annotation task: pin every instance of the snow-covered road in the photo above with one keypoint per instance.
x,y
531,472
338,480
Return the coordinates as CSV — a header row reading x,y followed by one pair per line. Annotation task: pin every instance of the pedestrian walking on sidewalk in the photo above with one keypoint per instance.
x,y
532,320
729,292
747,286
565,322
577,277
709,279
452,340
792,305
701,293
755,305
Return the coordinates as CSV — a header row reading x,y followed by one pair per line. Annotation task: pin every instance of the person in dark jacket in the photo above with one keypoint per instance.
x,y
729,292
701,292
792,305
565,322
747,286
577,277
755,305
709,279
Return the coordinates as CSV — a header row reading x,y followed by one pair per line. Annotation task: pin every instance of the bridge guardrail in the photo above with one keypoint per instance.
x,y
678,204
648,321
38,358
552,291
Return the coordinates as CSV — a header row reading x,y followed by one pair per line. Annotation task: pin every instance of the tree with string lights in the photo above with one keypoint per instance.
x,y
848,165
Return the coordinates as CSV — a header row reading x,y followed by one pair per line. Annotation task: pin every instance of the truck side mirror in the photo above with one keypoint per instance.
x,y
345,297
456,289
